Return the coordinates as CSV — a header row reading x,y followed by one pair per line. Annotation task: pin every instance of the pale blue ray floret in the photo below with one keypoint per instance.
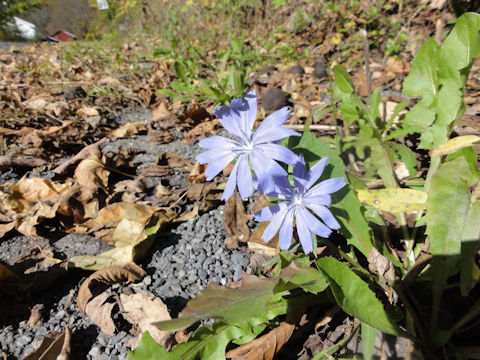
x,y
255,148
298,203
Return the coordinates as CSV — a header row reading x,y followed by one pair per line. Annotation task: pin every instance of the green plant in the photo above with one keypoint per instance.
x,y
429,264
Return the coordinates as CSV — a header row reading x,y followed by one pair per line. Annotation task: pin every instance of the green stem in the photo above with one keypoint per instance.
x,y
326,354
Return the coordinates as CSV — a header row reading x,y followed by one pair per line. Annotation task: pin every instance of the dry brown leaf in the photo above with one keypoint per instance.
x,y
257,244
174,161
112,275
112,214
128,129
236,218
398,66
83,154
54,346
91,173
264,347
203,129
87,111
99,310
141,311
188,215
197,175
29,191
5,228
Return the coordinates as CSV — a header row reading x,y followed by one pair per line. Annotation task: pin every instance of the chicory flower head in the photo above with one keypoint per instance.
x,y
249,148
297,204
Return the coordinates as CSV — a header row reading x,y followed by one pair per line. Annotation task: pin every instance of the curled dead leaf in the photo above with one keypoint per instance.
x,y
128,129
236,218
54,345
91,173
197,175
141,311
108,276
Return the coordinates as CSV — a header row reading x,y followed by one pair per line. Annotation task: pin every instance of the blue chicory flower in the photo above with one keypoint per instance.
x,y
297,204
249,148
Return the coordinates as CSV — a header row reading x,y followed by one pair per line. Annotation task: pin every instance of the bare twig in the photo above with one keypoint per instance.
x,y
367,61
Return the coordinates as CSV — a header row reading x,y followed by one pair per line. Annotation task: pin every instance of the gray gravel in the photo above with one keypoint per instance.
x,y
182,263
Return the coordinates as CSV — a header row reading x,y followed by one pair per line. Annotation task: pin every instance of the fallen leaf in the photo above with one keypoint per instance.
x,y
108,276
54,346
236,218
256,243
86,152
174,161
87,111
203,129
264,347
91,173
197,175
141,311
99,310
128,129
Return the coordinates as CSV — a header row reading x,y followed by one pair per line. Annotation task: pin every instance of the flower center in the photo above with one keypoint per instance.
x,y
248,146
297,198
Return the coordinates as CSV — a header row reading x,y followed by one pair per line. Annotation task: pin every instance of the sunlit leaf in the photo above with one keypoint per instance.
x,y
455,144
394,200
355,297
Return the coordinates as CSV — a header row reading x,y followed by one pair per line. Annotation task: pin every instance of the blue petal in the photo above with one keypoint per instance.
x,y
325,215
299,173
244,177
231,183
274,225
325,200
212,156
271,128
267,213
266,171
246,110
328,186
313,223
303,234
278,152
286,231
219,143
230,121
315,172
218,165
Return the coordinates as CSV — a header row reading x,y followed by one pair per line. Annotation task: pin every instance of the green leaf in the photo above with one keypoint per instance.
x,y
423,79
369,334
382,158
375,100
226,304
394,200
180,71
207,343
346,207
462,46
469,247
416,120
405,155
355,297
343,83
448,198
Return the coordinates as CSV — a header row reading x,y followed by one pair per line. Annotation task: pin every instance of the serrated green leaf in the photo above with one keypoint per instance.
x,y
416,120
394,200
346,206
355,297
455,144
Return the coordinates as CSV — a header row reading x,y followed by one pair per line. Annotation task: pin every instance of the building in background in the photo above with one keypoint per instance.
x,y
62,35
